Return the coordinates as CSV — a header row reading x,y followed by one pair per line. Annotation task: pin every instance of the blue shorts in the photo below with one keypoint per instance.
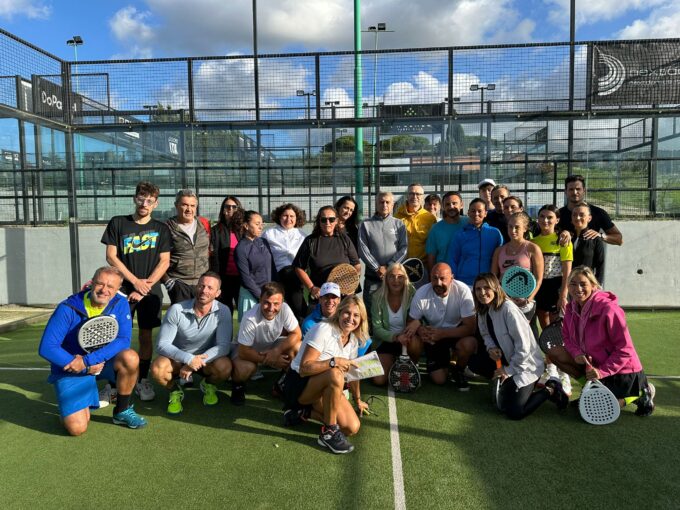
x,y
78,392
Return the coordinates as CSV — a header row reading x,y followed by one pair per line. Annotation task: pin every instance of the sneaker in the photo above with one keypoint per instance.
x,y
175,402
645,404
277,388
552,372
333,439
209,393
460,380
107,395
238,394
557,395
565,380
542,380
144,390
129,418
257,375
293,417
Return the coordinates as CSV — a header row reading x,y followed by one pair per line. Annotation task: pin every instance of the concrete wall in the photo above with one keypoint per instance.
x,y
35,266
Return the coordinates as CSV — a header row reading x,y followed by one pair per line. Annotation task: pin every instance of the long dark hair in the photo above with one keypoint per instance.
x,y
223,220
354,219
316,232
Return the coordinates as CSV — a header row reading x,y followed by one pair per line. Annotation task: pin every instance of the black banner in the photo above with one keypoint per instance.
x,y
645,73
48,98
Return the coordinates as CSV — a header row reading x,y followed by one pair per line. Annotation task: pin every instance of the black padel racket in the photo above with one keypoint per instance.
x,y
404,376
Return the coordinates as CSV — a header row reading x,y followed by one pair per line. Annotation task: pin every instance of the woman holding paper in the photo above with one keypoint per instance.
x,y
315,382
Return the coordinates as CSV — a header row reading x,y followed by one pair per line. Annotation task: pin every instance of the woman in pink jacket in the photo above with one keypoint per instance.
x,y
597,343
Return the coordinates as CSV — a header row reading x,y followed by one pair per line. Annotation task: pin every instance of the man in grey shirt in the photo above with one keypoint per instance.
x,y
195,337
382,241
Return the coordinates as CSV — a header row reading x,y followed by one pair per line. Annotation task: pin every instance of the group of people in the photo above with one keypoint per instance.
x,y
292,319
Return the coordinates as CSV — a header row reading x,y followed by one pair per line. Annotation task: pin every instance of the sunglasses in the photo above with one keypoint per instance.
x,y
230,207
329,219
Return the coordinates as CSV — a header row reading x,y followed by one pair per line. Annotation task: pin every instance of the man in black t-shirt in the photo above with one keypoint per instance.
x,y
600,226
139,247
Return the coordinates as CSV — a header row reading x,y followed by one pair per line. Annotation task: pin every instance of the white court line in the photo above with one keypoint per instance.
x,y
663,376
25,369
397,471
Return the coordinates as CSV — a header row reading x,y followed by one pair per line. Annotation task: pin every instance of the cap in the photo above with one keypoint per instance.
x,y
486,182
330,288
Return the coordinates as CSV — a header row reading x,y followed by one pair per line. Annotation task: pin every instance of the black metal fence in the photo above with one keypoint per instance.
x,y
77,136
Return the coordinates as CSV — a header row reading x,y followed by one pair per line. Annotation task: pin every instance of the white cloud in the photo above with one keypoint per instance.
x,y
132,31
660,23
593,11
30,8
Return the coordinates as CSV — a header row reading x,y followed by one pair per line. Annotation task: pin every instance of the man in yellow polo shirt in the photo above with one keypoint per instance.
x,y
418,221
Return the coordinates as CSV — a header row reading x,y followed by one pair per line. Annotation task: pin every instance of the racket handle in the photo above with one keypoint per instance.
x,y
404,352
498,363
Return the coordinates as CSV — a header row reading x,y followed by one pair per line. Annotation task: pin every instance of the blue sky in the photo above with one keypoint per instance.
x,y
162,28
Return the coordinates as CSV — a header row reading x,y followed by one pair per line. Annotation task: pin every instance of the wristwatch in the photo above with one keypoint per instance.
x,y
331,362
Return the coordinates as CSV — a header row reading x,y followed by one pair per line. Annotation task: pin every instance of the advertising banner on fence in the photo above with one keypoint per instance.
x,y
638,73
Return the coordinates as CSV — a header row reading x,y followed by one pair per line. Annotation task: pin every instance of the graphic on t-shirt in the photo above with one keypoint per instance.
x,y
135,243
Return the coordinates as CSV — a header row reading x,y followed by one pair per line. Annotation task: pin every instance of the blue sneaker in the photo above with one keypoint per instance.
x,y
129,418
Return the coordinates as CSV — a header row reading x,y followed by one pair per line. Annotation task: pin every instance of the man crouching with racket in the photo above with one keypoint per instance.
x,y
442,316
195,337
88,335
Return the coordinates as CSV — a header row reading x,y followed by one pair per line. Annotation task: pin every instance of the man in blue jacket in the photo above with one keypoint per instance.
x,y
74,371
472,248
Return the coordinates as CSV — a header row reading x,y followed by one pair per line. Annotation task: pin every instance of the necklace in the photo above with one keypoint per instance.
x,y
515,251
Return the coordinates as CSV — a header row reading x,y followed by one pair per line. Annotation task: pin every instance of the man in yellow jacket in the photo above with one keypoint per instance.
x,y
417,219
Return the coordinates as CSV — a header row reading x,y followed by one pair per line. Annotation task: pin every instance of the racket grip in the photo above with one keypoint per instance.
x,y
404,352
498,363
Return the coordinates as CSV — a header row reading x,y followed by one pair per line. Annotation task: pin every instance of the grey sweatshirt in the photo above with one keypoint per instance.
x,y
382,241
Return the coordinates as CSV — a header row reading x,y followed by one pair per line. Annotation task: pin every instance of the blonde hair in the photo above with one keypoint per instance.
x,y
586,272
383,291
362,331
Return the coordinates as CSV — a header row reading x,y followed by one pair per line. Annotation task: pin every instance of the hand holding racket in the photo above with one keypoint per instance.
x,y
597,404
404,376
97,332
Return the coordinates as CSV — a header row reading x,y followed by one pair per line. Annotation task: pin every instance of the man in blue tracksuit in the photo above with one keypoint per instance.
x,y
472,248
73,370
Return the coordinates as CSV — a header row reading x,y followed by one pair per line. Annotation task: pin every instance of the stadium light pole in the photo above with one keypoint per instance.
x,y
302,93
333,104
75,42
358,112
489,87
375,29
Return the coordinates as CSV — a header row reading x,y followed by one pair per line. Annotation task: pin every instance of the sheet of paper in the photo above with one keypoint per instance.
x,y
367,366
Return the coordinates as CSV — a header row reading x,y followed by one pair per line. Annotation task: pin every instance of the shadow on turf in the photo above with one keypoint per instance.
x,y
29,413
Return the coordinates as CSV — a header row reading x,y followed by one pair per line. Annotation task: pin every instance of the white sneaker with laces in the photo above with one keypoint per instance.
x,y
107,395
144,390
566,383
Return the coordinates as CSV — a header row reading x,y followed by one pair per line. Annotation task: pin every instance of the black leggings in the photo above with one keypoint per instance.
x,y
517,403
294,294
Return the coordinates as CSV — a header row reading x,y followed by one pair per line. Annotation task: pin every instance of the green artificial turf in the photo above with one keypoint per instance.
x,y
457,451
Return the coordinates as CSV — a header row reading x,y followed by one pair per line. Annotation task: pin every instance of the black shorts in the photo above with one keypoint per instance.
x,y
148,310
626,385
439,354
293,386
548,294
181,292
393,348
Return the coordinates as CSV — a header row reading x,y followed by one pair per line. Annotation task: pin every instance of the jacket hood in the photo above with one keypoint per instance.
x,y
600,300
77,302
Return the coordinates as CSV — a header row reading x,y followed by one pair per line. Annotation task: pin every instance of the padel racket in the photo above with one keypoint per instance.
x,y
597,404
97,332
518,282
347,278
404,376
415,270
551,336
496,387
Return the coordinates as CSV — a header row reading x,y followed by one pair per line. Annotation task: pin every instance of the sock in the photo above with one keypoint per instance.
x,y
144,365
122,403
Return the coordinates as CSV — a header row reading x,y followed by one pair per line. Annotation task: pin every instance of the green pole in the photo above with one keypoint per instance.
x,y
358,112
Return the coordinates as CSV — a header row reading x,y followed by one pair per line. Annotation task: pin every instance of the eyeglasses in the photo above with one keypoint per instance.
x,y
229,207
329,219
145,201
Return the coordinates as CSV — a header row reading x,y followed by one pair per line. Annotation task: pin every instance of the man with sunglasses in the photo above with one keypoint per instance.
x,y
139,246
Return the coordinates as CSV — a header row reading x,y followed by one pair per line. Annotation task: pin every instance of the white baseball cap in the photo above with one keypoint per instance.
x,y
330,288
486,182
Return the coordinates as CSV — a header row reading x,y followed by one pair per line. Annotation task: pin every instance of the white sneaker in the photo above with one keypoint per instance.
x,y
144,390
566,383
107,395
551,369
257,376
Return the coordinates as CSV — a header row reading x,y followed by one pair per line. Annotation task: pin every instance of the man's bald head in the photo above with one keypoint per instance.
x,y
441,277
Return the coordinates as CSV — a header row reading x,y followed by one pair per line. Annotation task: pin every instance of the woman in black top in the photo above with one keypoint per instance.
x,y
587,252
348,218
322,250
224,237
